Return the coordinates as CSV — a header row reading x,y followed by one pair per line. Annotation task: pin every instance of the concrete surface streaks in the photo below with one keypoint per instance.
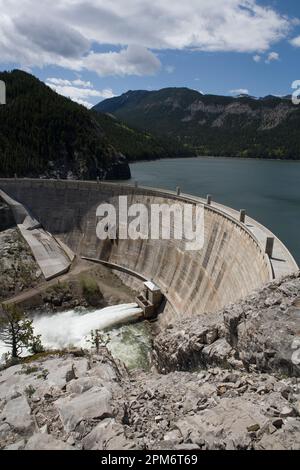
x,y
232,263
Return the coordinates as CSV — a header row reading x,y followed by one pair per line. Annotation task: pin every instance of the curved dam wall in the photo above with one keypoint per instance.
x,y
230,265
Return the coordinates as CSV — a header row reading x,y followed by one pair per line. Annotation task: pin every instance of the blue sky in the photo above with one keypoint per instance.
x,y
97,49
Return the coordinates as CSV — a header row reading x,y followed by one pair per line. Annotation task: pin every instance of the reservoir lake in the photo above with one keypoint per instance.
x,y
269,190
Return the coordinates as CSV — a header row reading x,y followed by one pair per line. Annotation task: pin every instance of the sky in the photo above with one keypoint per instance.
x,y
96,49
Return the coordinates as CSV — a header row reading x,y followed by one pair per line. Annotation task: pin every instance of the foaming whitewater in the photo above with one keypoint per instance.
x,y
73,328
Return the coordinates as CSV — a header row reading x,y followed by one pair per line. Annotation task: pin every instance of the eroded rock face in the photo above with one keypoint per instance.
x,y
228,425
261,332
46,442
17,414
92,404
108,435
266,327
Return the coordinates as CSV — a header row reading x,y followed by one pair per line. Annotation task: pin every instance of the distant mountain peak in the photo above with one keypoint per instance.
x,y
213,125
246,95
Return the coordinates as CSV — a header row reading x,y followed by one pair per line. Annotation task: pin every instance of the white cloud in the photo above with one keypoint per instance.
x,y
240,91
257,58
272,57
296,41
35,33
78,82
78,90
58,81
236,25
134,60
86,104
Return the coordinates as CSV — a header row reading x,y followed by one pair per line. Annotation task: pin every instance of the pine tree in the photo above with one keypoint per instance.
x,y
16,331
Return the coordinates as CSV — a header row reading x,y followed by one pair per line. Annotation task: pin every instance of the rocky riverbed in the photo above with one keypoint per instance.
x,y
223,381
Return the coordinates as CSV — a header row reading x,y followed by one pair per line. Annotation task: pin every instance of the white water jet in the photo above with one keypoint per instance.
x,y
73,328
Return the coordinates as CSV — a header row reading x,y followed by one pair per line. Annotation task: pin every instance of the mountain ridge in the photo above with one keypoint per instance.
x,y
211,124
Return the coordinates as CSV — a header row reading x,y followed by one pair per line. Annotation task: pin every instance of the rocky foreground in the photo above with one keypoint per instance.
x,y
223,381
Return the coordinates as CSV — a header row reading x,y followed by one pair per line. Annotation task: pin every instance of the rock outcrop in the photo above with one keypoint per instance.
x,y
260,333
58,400
18,268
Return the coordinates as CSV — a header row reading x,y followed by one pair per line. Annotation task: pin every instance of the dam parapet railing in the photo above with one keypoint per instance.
x,y
280,264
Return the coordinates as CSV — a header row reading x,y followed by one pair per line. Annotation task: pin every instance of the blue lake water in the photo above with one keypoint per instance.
x,y
269,190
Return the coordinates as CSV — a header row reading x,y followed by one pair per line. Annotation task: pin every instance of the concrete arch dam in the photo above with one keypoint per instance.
x,y
231,264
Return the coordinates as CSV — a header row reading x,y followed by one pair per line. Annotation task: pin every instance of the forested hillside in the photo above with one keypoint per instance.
x,y
44,134
139,145
213,125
